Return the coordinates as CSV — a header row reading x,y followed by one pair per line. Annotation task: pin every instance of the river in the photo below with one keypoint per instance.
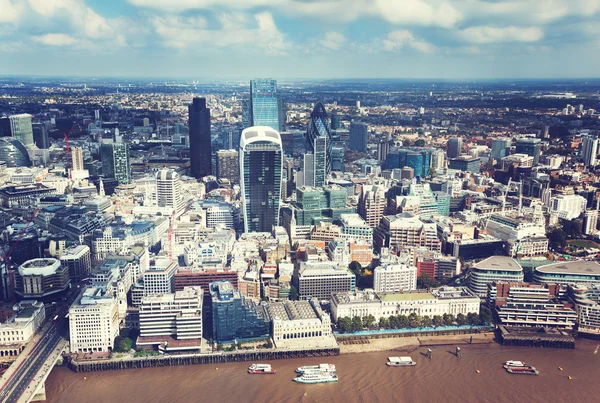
x,y
362,378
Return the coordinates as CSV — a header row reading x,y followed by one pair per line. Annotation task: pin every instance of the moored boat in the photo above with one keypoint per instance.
x,y
524,370
515,363
316,377
328,368
261,369
400,362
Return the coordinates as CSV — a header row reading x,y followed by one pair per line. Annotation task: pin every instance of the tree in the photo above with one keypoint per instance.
x,y
437,320
558,238
393,322
449,319
123,344
426,321
572,228
293,294
424,281
461,319
384,323
419,143
345,324
472,318
402,322
413,320
485,316
356,324
368,321
355,268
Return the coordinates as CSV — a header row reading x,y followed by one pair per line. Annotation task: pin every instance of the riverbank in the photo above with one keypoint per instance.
x,y
412,343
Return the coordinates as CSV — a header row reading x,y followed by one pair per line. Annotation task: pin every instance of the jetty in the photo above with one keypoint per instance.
x,y
535,337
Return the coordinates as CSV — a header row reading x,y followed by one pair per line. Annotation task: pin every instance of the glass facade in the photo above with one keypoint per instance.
x,y
13,153
319,141
264,103
21,128
261,165
115,162
500,148
337,159
315,205
200,138
417,159
359,136
531,147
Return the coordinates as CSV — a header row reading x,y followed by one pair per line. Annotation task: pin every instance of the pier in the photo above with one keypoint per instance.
x,y
194,359
535,337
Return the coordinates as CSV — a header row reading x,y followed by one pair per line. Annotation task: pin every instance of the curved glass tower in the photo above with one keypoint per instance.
x,y
261,163
318,137
14,153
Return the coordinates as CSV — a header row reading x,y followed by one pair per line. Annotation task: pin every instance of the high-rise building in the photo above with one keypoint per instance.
x,y
77,158
282,112
308,178
335,121
264,105
115,162
5,127
13,153
200,138
21,128
228,165
500,148
591,222
168,190
359,136
78,259
589,150
261,166
454,147
530,146
337,159
396,277
465,164
320,143
372,203
40,136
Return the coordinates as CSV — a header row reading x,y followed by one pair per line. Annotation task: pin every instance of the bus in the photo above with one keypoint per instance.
x,y
55,318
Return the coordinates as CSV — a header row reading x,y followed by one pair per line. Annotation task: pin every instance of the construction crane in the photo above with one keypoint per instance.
x,y
68,149
170,237
506,194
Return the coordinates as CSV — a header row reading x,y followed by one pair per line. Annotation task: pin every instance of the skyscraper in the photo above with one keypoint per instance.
x,y
309,170
530,146
337,159
21,129
500,148
77,158
115,162
454,147
335,121
589,150
228,165
261,160
359,136
200,138
5,127
264,103
40,136
168,190
13,153
319,142
282,113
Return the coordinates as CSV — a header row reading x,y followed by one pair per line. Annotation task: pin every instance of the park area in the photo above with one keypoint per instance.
x,y
582,243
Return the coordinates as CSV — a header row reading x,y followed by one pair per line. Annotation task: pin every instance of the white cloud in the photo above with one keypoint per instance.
x,y
9,11
417,12
333,40
396,40
490,34
54,39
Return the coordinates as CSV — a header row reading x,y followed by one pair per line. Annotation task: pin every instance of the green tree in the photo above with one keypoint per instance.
x,y
461,319
472,318
419,143
293,293
558,238
413,320
424,281
345,325
426,321
437,320
368,321
393,322
485,315
384,323
355,268
402,322
449,319
356,324
123,344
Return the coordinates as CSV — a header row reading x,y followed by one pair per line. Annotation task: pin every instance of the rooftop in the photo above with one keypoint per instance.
x,y
577,267
499,263
406,296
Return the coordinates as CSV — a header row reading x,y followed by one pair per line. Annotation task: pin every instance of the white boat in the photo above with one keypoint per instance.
x,y
316,377
514,364
329,368
400,362
260,369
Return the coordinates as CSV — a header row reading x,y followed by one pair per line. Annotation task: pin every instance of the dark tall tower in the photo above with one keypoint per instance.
x,y
200,146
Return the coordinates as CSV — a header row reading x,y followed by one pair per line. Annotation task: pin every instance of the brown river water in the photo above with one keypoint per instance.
x,y
362,378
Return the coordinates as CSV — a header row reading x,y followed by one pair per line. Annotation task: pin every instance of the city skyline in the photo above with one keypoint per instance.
x,y
295,39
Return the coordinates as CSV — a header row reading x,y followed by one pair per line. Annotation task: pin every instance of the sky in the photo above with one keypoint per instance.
x,y
301,39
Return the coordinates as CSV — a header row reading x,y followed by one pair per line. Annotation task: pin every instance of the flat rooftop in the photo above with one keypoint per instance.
x,y
406,296
499,263
582,267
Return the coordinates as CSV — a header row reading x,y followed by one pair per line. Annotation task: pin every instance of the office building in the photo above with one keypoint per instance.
x,y
168,190
500,148
417,159
200,138
234,316
321,279
454,147
465,164
372,203
26,318
590,222
308,172
172,321
359,136
264,105
93,321
320,143
78,260
42,279
530,146
21,128
337,159
437,302
567,206
355,227
40,136
228,165
587,305
77,159
316,205
261,166
160,277
395,277
300,324
13,153
404,230
589,150
580,272
494,269
115,162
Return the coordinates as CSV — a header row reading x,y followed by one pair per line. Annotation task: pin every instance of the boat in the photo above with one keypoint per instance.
x,y
525,370
515,363
400,362
261,369
330,368
316,377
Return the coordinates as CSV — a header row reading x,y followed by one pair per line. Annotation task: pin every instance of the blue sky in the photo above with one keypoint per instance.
x,y
215,39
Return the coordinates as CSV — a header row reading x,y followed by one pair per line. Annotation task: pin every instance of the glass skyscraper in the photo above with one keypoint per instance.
x,y
531,147
13,153
261,166
200,138
359,136
264,103
115,162
21,128
319,141
500,148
